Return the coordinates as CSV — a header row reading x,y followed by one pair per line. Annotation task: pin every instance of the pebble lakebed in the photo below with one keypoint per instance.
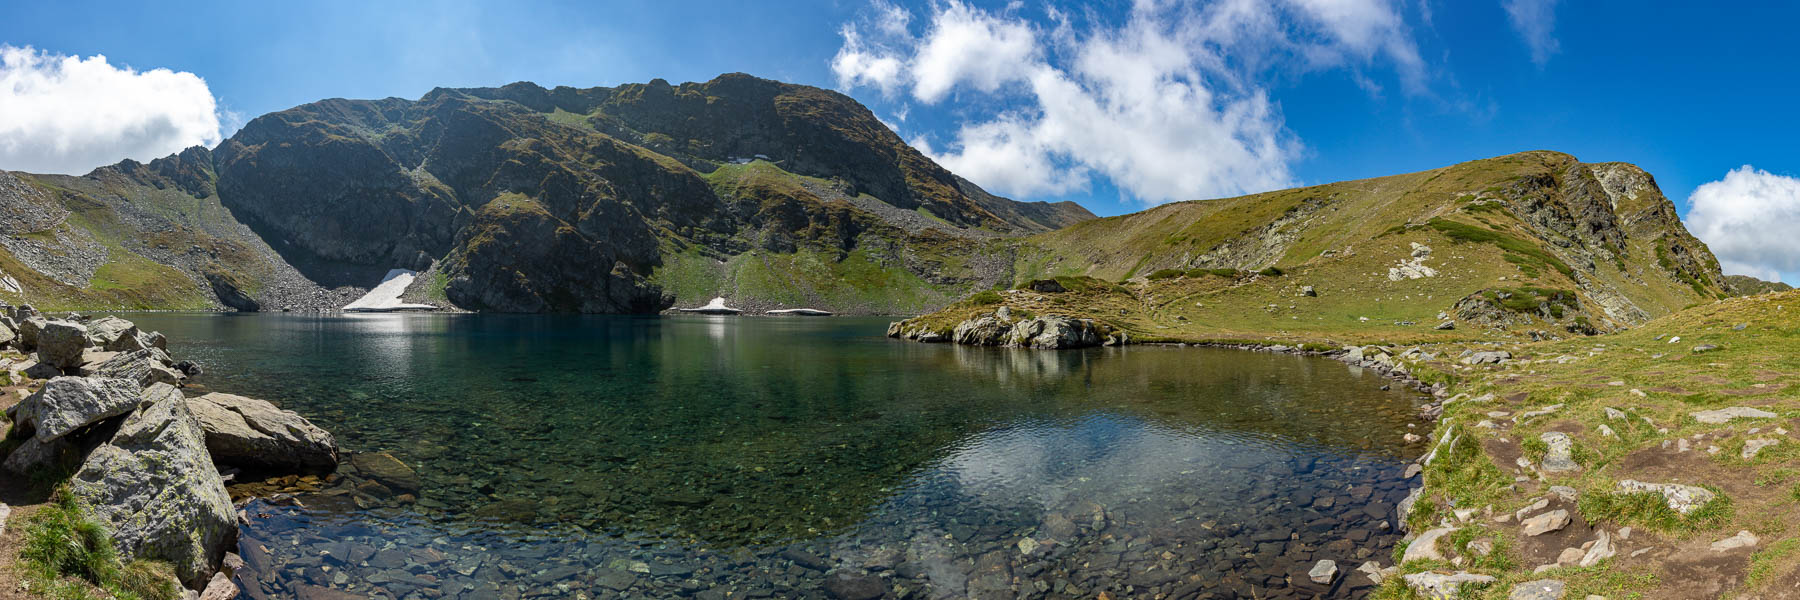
x,y
1137,500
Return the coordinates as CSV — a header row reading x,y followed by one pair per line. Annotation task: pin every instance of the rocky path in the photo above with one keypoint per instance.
x,y
1654,463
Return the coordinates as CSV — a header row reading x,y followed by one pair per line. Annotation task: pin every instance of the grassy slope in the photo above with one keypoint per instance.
x,y
1341,239
864,279
1754,366
128,280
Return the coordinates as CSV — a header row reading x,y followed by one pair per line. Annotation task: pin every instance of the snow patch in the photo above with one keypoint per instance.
x,y
386,296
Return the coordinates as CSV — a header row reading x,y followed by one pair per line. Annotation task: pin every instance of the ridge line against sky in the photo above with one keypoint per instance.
x,y
1116,105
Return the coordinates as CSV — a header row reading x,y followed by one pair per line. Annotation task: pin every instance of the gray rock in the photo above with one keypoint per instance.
x,y
981,331
254,434
1545,523
1601,550
29,328
1446,326
147,366
1308,291
61,343
1743,539
1054,332
66,404
1705,348
383,467
1542,589
219,587
1755,446
1425,546
154,487
1680,498
1323,572
1443,586
1559,458
106,333
5,513
1722,415
8,332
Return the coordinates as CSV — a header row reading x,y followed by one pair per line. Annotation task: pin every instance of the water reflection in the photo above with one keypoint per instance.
x,y
705,455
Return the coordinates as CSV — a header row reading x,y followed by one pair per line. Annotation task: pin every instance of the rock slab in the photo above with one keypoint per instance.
x,y
253,434
66,404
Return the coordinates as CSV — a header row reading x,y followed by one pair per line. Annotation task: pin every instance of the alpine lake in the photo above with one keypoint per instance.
x,y
753,457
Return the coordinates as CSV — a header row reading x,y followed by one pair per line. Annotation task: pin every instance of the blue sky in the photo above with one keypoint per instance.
x,y
1113,104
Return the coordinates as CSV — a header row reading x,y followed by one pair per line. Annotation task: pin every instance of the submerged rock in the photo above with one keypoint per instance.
x,y
155,489
254,434
389,471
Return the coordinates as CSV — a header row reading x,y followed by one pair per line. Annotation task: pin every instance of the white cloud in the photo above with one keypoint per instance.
x,y
1748,220
1535,21
65,114
1166,104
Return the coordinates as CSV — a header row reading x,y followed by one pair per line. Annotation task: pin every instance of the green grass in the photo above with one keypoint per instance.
x,y
1525,251
1649,510
66,556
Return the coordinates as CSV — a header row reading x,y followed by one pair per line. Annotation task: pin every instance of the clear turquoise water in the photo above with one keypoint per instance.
x,y
732,457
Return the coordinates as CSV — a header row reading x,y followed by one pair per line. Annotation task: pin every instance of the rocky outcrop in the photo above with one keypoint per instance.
x,y
155,489
1048,332
67,404
254,435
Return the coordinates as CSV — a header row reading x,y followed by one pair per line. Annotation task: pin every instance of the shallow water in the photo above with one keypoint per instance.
x,y
721,457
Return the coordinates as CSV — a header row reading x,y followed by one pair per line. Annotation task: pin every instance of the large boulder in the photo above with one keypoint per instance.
x,y
110,333
8,332
1054,332
61,343
986,330
147,366
154,487
66,404
255,435
29,327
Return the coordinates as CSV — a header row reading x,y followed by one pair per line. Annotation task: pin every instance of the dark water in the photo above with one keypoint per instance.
x,y
782,457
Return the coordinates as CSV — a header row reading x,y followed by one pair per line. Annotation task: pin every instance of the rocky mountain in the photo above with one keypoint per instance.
x,y
1537,243
526,199
1745,285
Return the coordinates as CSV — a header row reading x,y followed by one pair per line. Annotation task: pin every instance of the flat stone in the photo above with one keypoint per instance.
x,y
1743,539
1443,586
854,586
1723,415
1323,572
254,434
383,467
1425,546
1545,523
1752,447
1542,589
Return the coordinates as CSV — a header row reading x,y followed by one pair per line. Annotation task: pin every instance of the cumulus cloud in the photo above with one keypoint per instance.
x,y
1535,22
1167,103
1748,220
66,114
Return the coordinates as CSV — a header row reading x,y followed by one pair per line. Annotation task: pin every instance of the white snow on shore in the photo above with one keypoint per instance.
x,y
386,296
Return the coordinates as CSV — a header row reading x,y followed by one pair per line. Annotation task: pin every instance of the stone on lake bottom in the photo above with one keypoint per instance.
x,y
1324,572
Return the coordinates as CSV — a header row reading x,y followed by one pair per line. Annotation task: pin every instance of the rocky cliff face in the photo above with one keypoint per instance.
x,y
528,199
